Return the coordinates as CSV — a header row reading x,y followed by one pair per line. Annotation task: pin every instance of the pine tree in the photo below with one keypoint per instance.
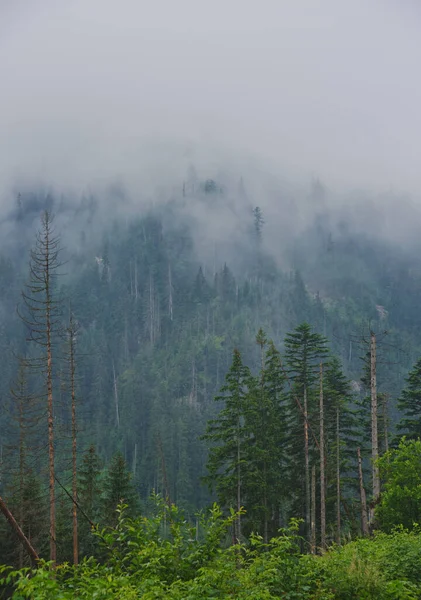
x,y
227,459
89,498
410,404
341,433
304,350
266,452
118,487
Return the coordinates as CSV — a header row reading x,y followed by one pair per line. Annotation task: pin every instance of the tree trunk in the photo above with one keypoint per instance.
x,y
306,463
374,432
50,419
42,320
24,540
72,333
322,468
338,480
386,423
364,519
238,483
134,460
21,466
136,293
313,512
170,290
117,408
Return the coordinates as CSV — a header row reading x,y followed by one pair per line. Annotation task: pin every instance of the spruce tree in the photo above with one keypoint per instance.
x,y
227,462
89,498
410,404
266,452
304,350
117,488
341,435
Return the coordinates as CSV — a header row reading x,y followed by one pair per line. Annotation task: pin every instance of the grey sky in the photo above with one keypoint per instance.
x,y
327,87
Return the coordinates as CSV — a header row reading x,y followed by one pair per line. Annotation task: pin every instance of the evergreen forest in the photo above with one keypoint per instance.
x,y
196,402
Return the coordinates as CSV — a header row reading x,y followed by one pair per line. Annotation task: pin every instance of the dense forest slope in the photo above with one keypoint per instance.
x,y
164,291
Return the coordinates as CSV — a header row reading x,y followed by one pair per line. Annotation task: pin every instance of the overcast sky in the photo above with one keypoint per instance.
x,y
327,87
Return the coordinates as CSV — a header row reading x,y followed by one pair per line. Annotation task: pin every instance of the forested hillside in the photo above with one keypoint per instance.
x,y
161,296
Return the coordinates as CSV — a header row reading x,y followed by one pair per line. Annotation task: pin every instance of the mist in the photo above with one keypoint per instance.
x,y
97,90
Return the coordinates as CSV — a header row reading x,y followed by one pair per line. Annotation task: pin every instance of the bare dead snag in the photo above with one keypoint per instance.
x,y
22,537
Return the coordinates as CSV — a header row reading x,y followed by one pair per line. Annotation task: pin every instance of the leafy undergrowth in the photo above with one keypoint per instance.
x,y
164,557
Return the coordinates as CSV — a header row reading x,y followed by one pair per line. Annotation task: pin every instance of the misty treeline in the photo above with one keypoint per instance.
x,y
114,350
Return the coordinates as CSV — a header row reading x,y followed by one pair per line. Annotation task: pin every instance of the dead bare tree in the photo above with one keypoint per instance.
x,y
364,519
313,511
72,331
22,537
338,480
322,468
374,430
41,315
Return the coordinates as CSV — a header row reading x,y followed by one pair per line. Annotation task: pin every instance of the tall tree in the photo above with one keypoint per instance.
x,y
341,435
322,467
71,332
42,317
229,438
304,349
374,430
266,426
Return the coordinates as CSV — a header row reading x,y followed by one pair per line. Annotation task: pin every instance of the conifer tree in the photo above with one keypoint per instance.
x,y
410,404
266,453
117,487
304,350
341,435
89,497
227,458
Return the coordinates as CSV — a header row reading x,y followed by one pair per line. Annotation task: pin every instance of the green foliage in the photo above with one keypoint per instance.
x,y
117,488
400,501
165,557
227,461
161,309
410,404
384,567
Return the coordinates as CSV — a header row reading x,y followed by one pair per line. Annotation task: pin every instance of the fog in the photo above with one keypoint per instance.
x,y
93,90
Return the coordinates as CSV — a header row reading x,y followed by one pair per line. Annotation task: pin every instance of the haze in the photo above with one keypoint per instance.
x,y
94,89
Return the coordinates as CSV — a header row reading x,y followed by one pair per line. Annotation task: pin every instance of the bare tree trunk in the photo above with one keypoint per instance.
x,y
261,341
386,423
21,462
72,333
374,432
306,463
322,468
338,480
135,460
117,409
22,537
238,482
313,512
364,519
136,293
151,310
165,485
170,290
50,417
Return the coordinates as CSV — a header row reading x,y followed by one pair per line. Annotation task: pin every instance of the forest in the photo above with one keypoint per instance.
x,y
189,413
